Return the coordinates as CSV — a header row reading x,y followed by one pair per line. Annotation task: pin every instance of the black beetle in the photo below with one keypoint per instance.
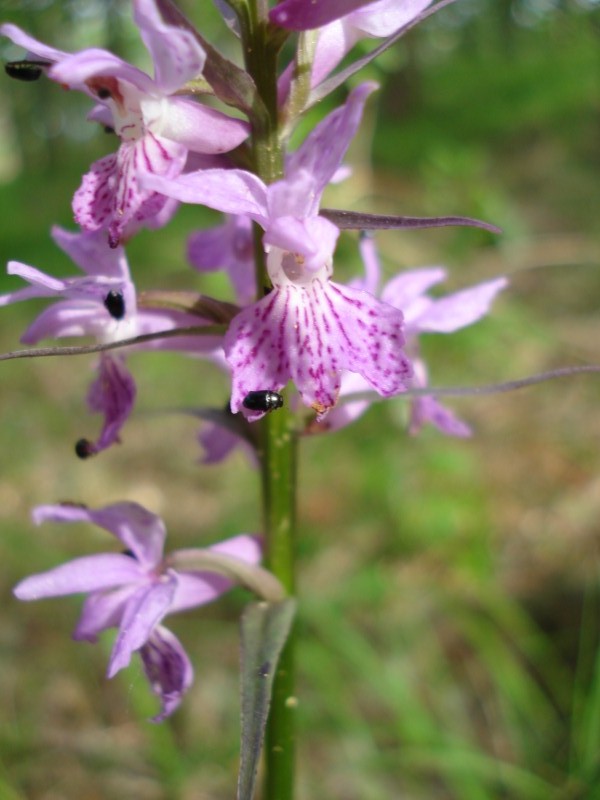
x,y
25,70
114,303
263,400
84,448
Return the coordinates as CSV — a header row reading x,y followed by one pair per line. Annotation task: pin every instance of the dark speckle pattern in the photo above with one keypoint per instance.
x,y
310,334
110,196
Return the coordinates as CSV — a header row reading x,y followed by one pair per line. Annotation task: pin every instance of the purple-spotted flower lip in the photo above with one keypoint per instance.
x,y
113,395
132,590
310,332
168,669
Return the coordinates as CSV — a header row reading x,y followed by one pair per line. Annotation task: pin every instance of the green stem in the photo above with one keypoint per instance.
x,y
279,503
278,442
260,54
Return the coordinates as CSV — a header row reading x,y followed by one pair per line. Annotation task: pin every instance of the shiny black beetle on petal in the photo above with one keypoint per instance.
x,y
114,303
264,400
25,70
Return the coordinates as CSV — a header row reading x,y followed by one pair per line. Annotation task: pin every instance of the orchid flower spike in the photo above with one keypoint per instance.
x,y
157,127
135,590
308,328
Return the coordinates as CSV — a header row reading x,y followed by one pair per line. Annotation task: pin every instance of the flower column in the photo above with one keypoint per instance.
x,y
278,444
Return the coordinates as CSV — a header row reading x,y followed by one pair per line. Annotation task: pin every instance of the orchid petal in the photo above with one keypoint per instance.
x,y
93,201
86,574
244,546
197,589
91,253
302,15
200,128
138,529
46,283
212,248
370,258
102,115
217,443
348,411
322,151
232,191
113,395
314,238
101,610
310,334
112,194
383,18
231,247
295,195
33,46
134,526
66,318
42,285
27,293
408,287
146,607
79,69
168,669
461,308
158,220
338,37
429,410
178,56
333,42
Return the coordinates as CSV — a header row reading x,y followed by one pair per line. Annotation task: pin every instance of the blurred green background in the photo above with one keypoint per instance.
x,y
449,624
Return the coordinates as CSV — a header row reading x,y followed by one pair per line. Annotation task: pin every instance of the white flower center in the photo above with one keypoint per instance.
x,y
124,102
286,268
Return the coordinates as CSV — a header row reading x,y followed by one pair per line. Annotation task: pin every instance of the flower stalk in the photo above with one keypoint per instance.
x,y
278,442
278,471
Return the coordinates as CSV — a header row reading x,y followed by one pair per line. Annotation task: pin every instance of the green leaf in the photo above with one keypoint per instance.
x,y
265,628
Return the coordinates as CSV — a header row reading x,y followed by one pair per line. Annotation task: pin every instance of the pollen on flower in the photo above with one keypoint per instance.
x,y
321,409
